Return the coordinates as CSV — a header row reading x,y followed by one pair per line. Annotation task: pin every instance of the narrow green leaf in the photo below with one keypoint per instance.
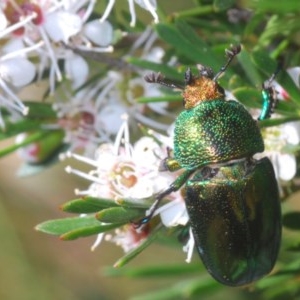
x,y
61,226
27,169
30,139
12,129
136,203
119,214
195,51
154,271
248,97
281,7
87,205
40,110
167,71
294,248
223,4
88,231
73,228
199,286
165,98
290,87
195,11
264,62
92,204
268,66
277,121
252,98
134,252
291,220
272,281
244,59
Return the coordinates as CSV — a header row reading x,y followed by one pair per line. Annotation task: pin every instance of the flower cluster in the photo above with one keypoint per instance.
x,y
39,39
48,40
123,170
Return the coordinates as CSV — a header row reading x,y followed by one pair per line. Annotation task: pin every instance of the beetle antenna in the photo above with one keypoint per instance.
x,y
160,79
230,53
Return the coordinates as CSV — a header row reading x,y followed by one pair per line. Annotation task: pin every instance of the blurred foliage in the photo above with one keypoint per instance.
x,y
269,32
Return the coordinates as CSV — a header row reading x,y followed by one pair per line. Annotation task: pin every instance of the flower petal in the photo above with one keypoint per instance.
x,y
61,25
13,70
173,213
77,69
286,166
100,33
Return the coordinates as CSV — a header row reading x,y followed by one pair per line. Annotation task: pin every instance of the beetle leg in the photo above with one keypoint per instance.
x,y
175,186
269,96
169,164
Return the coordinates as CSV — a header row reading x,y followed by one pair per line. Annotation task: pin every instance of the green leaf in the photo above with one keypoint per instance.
x,y
264,62
50,142
165,98
291,220
294,248
281,7
88,231
26,169
14,128
252,98
136,251
87,205
282,283
119,214
184,39
73,228
38,113
136,203
154,271
248,97
244,59
199,286
291,88
268,66
276,122
40,110
61,226
223,4
30,139
195,11
167,71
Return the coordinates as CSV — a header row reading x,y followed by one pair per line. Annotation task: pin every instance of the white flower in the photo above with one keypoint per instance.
x,y
123,170
149,5
77,69
100,33
78,118
57,27
277,140
174,213
61,25
128,237
13,65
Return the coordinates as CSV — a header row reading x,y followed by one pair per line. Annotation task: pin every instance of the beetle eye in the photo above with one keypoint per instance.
x,y
188,77
221,90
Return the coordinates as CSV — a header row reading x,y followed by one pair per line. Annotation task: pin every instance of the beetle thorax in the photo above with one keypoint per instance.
x,y
201,89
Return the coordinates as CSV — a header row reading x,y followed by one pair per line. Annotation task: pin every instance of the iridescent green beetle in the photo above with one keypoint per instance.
x,y
232,199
